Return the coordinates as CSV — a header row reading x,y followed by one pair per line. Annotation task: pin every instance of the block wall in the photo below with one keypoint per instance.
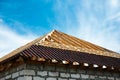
x,y
55,72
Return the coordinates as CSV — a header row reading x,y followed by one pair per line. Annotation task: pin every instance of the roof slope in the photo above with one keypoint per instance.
x,y
60,47
49,53
61,40
56,39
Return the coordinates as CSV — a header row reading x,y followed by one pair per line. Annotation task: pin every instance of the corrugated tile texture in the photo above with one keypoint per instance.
x,y
70,56
15,52
69,48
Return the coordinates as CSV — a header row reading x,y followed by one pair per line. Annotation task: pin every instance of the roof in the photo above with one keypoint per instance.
x,y
50,53
60,46
61,40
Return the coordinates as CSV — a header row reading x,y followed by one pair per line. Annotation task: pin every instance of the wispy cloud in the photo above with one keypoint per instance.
x,y
10,40
96,21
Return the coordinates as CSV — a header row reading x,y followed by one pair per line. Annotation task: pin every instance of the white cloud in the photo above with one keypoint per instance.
x,y
10,40
96,21
115,16
99,32
114,3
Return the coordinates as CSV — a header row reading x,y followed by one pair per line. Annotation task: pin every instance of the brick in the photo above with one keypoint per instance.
x,y
27,72
51,79
116,75
14,75
111,78
2,78
84,76
8,76
102,77
75,75
38,78
117,79
92,77
54,74
66,75
72,79
42,73
62,79
25,78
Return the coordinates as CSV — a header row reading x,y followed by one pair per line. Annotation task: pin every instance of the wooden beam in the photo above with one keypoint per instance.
x,y
2,68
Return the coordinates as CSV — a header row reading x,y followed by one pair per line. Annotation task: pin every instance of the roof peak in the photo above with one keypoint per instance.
x,y
57,39
49,36
54,30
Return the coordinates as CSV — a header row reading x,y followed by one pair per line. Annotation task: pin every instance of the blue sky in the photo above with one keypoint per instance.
x,y
96,21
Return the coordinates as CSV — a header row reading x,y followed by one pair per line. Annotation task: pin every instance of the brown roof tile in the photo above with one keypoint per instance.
x,y
60,46
68,55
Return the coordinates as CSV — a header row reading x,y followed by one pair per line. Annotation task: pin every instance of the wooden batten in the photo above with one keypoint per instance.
x,y
95,65
54,61
112,68
65,62
20,59
8,66
41,59
33,58
2,68
86,64
104,66
76,63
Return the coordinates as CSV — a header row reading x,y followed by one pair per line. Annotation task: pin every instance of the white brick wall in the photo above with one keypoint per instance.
x,y
53,74
102,77
27,72
51,78
8,76
75,75
42,73
2,79
92,77
72,79
14,75
62,79
84,76
117,78
25,78
38,78
111,78
66,75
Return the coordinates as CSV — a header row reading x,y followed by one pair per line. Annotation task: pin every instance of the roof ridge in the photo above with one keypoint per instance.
x,y
62,38
68,40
